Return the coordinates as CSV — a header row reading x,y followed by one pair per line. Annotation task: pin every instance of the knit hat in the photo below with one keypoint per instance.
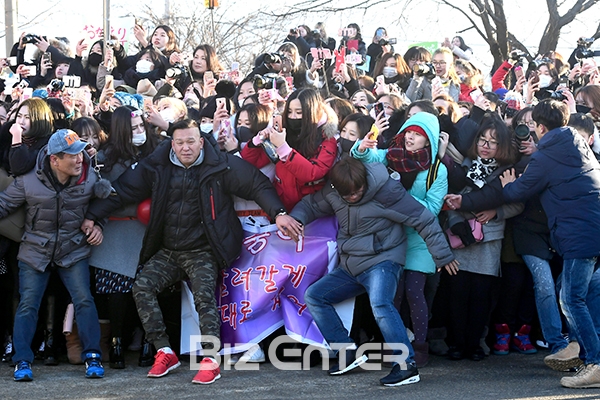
x,y
133,100
416,128
126,89
501,92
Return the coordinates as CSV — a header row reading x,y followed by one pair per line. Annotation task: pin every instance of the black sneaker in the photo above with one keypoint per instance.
x,y
348,364
399,377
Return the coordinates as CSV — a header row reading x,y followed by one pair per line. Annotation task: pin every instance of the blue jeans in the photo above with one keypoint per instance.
x,y
380,282
32,285
579,300
545,301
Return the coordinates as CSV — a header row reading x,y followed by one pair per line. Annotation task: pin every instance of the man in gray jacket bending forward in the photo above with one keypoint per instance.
x,y
371,209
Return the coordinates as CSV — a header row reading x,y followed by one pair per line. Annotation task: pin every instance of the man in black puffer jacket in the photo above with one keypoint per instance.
x,y
193,231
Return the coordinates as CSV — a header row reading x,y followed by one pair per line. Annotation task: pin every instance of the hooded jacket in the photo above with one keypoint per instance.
x,y
53,217
566,174
372,230
219,176
418,256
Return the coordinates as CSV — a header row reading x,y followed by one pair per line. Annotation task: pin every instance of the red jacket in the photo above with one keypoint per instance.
x,y
500,75
297,176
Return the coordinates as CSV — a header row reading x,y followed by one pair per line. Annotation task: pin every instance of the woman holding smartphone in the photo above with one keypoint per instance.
x,y
306,146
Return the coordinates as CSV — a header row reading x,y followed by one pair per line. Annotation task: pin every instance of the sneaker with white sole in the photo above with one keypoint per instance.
x,y
23,372
348,364
564,359
400,377
209,371
165,361
254,354
588,376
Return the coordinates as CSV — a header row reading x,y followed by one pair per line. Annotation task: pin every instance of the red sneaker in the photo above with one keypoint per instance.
x,y
208,373
163,364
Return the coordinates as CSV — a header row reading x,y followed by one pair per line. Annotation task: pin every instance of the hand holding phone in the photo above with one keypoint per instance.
x,y
220,103
208,76
277,124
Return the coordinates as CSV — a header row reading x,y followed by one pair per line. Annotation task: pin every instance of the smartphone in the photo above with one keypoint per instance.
x,y
47,56
519,72
109,81
147,104
208,75
378,107
220,102
340,58
475,94
535,78
375,130
12,61
235,66
27,93
277,124
380,81
31,70
23,84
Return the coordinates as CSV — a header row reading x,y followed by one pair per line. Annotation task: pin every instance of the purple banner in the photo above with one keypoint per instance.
x,y
264,288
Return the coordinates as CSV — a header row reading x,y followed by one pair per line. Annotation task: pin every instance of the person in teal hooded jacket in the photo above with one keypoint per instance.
x,y
413,155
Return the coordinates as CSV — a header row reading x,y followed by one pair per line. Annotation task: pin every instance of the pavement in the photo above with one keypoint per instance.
x,y
514,376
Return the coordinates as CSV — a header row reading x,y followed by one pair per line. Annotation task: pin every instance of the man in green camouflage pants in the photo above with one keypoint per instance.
x,y
193,230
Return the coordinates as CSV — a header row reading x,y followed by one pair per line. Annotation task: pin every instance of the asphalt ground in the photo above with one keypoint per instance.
x,y
514,376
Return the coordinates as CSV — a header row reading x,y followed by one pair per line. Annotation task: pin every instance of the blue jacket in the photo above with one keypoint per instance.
x,y
566,174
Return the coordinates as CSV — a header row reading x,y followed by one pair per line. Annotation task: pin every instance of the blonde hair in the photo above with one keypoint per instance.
x,y
178,105
449,56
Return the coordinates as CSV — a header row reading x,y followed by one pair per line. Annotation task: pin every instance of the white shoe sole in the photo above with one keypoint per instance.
x,y
166,372
207,383
356,363
412,379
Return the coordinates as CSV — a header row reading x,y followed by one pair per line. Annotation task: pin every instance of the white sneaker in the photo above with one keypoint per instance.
x,y
254,354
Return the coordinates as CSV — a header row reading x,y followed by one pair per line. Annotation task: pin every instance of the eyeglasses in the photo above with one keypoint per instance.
x,y
487,143
438,63
530,123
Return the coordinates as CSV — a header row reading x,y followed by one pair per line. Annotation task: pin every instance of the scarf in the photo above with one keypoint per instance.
x,y
481,169
407,163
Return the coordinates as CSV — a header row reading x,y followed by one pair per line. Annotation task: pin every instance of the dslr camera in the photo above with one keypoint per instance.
x,y
266,81
272,58
176,71
427,70
31,38
385,42
583,49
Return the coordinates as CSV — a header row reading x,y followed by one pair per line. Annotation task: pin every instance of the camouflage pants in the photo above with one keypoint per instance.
x,y
164,269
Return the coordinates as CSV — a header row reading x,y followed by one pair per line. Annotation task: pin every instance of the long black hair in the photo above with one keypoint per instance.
x,y
310,136
119,147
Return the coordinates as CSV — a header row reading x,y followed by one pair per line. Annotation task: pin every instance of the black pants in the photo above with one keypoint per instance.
x,y
516,300
469,308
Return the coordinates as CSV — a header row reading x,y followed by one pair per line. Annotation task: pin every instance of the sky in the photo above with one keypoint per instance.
x,y
412,24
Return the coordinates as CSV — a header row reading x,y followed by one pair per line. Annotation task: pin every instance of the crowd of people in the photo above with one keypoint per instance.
x,y
465,212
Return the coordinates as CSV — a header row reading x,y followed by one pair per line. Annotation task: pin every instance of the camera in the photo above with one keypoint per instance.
x,y
557,95
535,64
522,133
516,55
385,42
175,71
272,58
56,85
294,31
112,43
583,48
427,70
266,81
31,38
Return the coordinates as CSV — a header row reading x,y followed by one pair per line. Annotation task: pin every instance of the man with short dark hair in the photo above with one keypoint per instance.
x,y
56,194
371,209
566,175
193,231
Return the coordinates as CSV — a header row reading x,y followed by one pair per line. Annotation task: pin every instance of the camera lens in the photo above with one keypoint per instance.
x,y
522,133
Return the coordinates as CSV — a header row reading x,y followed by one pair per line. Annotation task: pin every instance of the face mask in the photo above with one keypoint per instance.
x,y
206,128
94,59
294,126
138,139
580,108
545,81
168,115
143,66
389,72
346,144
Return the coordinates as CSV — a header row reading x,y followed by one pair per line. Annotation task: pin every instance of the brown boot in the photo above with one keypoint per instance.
x,y
74,348
421,353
